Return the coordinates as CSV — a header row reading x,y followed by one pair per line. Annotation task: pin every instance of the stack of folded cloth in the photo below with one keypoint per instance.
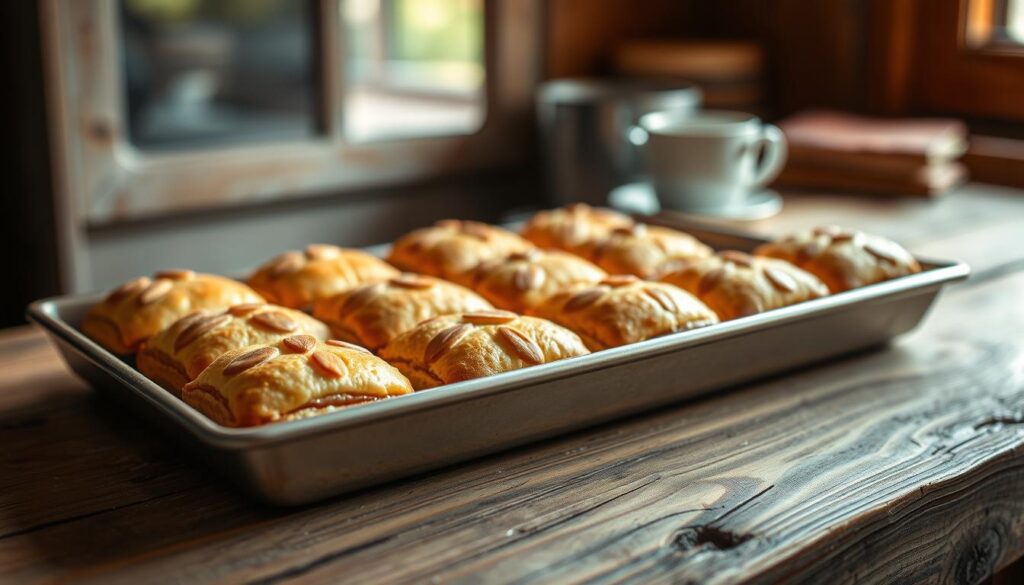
x,y
842,152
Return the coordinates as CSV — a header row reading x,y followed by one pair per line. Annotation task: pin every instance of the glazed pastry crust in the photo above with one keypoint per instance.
x,y
734,284
454,348
643,250
179,353
297,279
140,308
624,310
842,258
451,248
572,227
268,383
374,314
521,281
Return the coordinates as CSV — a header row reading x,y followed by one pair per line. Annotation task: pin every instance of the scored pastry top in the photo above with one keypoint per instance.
x,y
296,279
843,258
374,314
297,377
139,308
623,309
454,348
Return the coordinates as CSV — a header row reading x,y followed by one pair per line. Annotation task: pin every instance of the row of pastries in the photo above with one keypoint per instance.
x,y
325,328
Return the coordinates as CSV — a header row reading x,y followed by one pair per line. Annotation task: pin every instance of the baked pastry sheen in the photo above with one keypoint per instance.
x,y
843,258
643,250
735,284
178,354
374,314
451,248
297,279
624,309
140,308
521,281
297,377
453,348
571,227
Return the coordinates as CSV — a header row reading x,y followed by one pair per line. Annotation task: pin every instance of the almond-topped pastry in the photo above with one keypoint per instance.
x,y
451,248
571,227
297,377
843,258
643,250
297,279
138,309
454,348
624,309
735,284
178,354
521,281
374,314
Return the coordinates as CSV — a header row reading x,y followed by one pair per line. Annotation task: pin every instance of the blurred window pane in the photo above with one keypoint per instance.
x,y
413,68
994,23
210,72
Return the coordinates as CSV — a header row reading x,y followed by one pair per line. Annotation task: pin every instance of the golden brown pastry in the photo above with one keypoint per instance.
x,y
521,281
643,250
735,284
297,377
178,354
374,314
624,309
843,258
571,227
451,248
140,308
297,279
453,348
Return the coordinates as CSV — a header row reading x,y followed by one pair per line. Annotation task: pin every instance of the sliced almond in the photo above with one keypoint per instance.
x,y
480,231
175,274
810,250
528,277
444,341
882,251
583,299
663,298
347,345
451,224
528,255
522,346
411,281
286,264
489,317
157,290
127,289
244,309
780,279
737,257
328,363
249,359
275,321
358,299
617,280
322,251
845,236
197,329
710,280
299,343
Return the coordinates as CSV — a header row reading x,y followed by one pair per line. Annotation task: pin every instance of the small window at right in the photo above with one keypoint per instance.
x,y
413,68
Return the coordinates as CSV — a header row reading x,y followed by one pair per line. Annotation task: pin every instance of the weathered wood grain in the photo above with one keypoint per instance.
x,y
903,464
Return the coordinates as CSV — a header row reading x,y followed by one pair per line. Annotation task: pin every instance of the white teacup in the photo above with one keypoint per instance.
x,y
710,159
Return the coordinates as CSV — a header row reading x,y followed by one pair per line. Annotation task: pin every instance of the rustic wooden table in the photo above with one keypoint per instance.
x,y
901,464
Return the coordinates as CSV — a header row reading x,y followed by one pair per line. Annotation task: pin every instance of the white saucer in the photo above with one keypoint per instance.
x,y
640,198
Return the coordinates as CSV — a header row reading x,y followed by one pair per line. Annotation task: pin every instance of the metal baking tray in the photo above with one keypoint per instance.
x,y
306,460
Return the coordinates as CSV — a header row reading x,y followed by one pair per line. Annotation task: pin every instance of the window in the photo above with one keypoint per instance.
x,y
413,68
160,106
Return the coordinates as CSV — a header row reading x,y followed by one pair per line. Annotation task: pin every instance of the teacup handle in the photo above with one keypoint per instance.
x,y
772,143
